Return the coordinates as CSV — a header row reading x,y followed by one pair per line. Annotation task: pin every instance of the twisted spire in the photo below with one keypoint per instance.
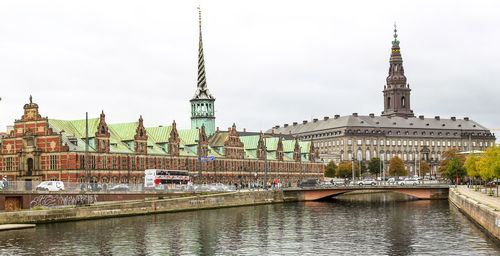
x,y
202,91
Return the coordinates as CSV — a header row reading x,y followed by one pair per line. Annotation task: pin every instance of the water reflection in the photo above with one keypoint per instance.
x,y
342,226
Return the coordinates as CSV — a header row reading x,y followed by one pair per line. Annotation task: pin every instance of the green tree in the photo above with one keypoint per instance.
x,y
344,170
397,167
363,166
374,166
447,157
330,169
454,168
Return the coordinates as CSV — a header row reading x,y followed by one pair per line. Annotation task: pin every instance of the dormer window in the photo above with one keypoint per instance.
x,y
103,130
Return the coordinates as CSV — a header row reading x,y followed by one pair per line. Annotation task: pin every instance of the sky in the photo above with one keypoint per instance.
x,y
267,62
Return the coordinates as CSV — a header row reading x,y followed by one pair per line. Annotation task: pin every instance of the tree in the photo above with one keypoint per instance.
x,y
330,169
454,168
489,164
374,166
424,167
344,170
447,157
472,166
397,167
363,167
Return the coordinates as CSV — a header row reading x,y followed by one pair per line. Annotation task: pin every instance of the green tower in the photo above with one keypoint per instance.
x,y
202,103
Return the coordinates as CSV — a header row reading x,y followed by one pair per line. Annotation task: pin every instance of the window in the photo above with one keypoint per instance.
x,y
82,162
375,142
404,142
439,143
367,141
367,154
432,143
387,142
427,143
382,156
410,142
360,142
114,163
104,163
53,162
410,155
405,157
459,143
393,142
399,142
349,142
449,143
342,142
480,143
421,142
465,143
374,153
359,155
349,156
9,166
454,143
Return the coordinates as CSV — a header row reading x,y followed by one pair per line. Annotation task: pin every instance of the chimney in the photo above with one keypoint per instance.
x,y
325,118
290,132
315,120
304,122
294,123
437,117
453,118
355,114
285,125
272,131
466,118
337,116
277,126
217,128
229,129
372,115
244,129
421,117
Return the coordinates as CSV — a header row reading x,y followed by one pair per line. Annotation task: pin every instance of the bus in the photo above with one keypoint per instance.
x,y
159,178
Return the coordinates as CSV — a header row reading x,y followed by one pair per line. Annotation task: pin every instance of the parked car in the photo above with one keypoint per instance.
x,y
50,186
339,182
409,181
325,183
120,187
308,183
367,181
391,180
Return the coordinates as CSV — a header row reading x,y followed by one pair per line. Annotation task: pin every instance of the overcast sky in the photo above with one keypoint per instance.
x,y
267,62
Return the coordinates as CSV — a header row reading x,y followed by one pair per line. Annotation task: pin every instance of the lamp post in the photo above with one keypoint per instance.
x,y
265,165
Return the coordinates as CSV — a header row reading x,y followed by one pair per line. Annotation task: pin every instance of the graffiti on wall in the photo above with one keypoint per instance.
x,y
62,200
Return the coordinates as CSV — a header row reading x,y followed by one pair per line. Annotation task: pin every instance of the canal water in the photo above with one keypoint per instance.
x,y
367,224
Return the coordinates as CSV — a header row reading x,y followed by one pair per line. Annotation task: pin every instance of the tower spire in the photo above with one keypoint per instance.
x,y
202,103
396,92
202,91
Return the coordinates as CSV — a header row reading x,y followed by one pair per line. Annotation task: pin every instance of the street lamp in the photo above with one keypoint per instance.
x,y
265,165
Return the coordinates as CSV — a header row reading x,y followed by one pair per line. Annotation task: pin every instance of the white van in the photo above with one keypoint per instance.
x,y
50,186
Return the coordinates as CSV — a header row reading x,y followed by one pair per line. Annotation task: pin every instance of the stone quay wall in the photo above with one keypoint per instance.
x,y
487,218
147,206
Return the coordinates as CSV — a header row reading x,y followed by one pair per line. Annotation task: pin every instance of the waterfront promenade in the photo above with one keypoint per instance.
x,y
480,196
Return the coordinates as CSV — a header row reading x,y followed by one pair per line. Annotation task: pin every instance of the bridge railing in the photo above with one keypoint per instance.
x,y
59,186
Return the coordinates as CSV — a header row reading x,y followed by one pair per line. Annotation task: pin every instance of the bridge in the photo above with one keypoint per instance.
x,y
428,192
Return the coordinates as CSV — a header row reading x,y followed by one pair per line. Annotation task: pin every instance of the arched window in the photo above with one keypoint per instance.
x,y
403,102
103,130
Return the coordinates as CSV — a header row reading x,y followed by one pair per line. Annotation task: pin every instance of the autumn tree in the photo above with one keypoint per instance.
x,y
447,157
330,169
397,167
489,164
472,166
374,166
454,169
344,170
424,167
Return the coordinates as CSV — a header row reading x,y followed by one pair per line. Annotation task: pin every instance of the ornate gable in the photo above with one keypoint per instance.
x,y
313,154
173,141
296,150
102,135
261,147
202,143
141,138
31,111
233,147
279,149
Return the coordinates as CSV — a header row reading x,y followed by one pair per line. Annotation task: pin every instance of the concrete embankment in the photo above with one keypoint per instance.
x,y
486,217
137,207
